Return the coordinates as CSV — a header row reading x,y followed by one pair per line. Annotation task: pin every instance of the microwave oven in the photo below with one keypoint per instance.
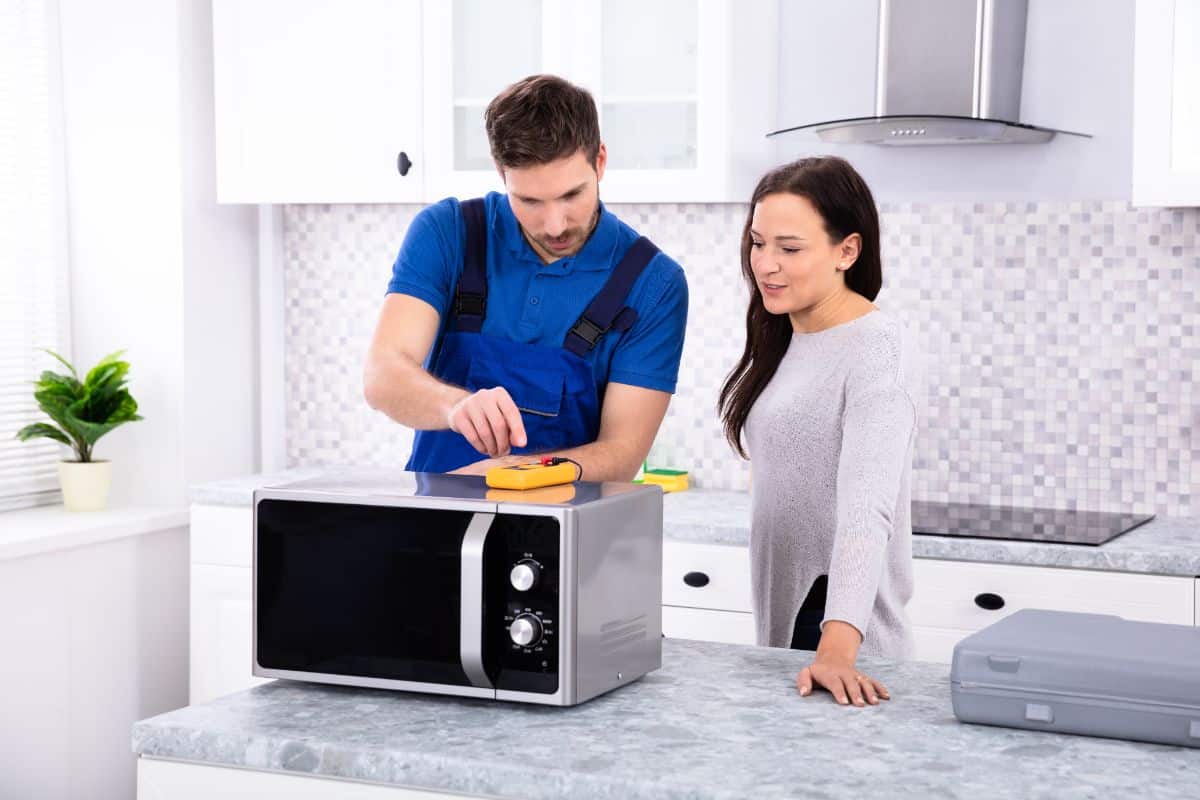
x,y
436,583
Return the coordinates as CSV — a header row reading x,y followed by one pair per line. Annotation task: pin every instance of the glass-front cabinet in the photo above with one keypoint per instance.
x,y
658,72
473,49
383,100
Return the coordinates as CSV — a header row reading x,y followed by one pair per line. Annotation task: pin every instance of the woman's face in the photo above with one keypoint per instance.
x,y
793,260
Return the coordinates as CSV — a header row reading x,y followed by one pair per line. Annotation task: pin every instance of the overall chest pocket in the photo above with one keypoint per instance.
x,y
537,391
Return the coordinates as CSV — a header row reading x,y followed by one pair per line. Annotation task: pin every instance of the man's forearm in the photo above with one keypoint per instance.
x,y
605,461
410,395
601,461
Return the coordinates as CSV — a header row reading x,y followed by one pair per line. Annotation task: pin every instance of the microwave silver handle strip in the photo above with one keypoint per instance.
x,y
471,595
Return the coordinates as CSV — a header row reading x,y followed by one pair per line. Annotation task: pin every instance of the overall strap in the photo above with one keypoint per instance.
x,y
470,297
608,311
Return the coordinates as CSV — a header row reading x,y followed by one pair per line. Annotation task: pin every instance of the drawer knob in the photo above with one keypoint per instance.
x,y
989,601
696,579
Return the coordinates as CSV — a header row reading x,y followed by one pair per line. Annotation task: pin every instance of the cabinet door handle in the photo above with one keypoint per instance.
x,y
403,164
696,579
989,601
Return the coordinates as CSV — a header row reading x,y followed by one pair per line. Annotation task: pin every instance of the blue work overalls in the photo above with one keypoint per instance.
x,y
554,387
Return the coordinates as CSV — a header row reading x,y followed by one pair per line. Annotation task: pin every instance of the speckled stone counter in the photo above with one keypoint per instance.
x,y
1164,546
717,721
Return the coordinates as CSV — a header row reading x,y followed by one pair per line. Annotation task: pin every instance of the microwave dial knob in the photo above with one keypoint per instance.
x,y
526,630
524,576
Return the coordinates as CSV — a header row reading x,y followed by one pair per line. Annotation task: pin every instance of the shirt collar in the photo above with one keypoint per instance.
x,y
596,253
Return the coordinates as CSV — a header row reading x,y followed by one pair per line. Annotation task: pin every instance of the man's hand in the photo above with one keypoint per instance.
x,y
481,467
490,421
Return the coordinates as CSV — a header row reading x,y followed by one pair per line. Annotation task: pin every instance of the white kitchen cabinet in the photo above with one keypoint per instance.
x,y
221,602
1166,103
731,627
949,599
315,101
661,76
472,50
706,592
221,608
659,73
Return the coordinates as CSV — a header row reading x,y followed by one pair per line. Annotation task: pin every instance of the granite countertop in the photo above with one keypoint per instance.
x,y
717,721
1163,546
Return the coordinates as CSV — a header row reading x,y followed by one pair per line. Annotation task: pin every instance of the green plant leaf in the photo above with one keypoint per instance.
x,y
62,360
126,411
41,429
106,373
90,430
55,401
63,383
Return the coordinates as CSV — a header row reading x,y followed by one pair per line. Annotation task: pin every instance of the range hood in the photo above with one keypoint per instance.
x,y
947,72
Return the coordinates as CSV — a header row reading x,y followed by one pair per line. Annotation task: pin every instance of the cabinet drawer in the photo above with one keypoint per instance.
x,y
727,569
936,644
732,627
221,632
945,592
222,535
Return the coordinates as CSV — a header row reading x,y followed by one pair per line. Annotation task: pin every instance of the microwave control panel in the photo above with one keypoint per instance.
x,y
523,601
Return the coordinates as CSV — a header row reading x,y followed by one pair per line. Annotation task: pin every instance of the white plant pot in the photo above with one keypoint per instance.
x,y
85,485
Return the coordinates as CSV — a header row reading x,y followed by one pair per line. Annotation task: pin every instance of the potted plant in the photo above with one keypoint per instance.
x,y
83,411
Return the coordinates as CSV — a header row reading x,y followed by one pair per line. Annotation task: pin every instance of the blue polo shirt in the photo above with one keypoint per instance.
x,y
537,303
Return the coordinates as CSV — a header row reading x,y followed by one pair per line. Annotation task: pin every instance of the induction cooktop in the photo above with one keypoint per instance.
x,y
1022,524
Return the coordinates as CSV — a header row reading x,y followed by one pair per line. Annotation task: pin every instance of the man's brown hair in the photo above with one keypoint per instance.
x,y
540,119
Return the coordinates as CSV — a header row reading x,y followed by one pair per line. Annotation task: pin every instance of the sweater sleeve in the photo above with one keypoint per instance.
x,y
878,424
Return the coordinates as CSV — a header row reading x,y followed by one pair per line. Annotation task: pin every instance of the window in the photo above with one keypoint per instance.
x,y
33,242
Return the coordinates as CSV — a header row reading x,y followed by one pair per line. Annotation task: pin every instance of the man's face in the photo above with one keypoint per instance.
x,y
556,203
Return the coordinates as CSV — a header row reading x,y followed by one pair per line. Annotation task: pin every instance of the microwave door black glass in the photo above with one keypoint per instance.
x,y
362,590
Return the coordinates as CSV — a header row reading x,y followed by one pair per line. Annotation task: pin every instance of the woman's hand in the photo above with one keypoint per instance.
x,y
845,682
833,668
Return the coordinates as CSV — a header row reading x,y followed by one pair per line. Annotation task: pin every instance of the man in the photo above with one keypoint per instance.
x,y
533,321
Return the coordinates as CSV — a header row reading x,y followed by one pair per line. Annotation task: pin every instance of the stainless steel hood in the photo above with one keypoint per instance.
x,y
947,72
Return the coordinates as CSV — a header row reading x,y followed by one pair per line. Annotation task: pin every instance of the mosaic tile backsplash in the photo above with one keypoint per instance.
x,y
1060,345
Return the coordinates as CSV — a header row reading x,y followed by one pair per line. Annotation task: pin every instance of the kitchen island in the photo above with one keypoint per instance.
x,y
718,722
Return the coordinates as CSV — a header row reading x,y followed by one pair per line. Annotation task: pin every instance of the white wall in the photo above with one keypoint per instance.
x,y
156,267
220,252
94,639
1078,77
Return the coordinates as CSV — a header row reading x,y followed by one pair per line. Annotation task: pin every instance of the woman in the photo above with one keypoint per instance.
x,y
822,399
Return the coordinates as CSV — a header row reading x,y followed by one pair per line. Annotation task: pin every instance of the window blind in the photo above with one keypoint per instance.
x,y
33,243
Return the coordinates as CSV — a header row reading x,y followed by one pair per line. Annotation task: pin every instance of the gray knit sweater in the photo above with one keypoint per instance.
x,y
830,442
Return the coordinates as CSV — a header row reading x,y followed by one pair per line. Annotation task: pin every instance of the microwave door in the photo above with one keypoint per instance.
x,y
385,593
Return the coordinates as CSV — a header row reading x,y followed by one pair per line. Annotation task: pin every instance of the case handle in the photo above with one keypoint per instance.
x,y
696,579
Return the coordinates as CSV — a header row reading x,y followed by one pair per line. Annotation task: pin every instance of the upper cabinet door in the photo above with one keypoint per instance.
x,y
316,101
1166,103
473,50
660,74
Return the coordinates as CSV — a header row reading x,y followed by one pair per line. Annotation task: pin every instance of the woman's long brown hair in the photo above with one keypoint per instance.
x,y
845,203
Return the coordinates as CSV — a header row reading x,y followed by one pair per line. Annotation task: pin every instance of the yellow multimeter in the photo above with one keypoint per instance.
x,y
550,471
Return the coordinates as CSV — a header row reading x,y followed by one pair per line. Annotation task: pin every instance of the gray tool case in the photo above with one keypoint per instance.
x,y
1091,674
